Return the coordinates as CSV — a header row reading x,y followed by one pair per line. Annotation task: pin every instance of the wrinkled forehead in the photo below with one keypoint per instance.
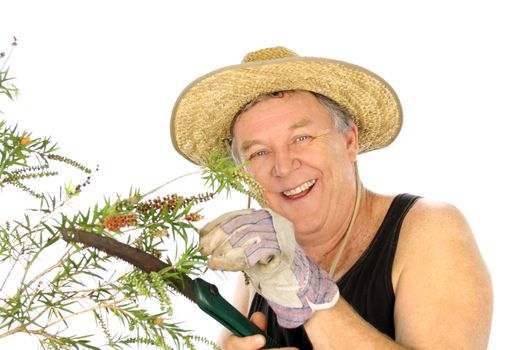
x,y
278,94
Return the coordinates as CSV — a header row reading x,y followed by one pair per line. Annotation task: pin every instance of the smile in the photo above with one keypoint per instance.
x,y
300,188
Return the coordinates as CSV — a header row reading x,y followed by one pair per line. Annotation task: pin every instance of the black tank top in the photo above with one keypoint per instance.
x,y
367,286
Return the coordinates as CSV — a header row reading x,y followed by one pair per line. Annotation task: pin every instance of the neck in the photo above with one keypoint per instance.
x,y
324,250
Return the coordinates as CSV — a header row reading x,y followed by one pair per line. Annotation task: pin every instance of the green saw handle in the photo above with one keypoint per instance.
x,y
212,303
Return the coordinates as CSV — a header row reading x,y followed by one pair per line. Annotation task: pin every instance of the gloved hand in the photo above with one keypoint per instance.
x,y
263,244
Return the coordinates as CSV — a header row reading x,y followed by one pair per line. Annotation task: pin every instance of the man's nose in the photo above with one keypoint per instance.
x,y
285,163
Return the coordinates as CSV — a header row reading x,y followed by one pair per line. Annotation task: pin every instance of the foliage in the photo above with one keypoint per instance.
x,y
222,174
6,86
48,286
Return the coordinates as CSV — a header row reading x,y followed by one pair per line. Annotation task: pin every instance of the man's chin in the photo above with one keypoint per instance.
x,y
305,228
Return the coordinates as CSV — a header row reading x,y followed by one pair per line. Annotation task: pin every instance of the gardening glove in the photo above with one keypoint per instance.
x,y
262,244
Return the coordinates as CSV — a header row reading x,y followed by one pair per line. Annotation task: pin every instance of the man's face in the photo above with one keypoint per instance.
x,y
303,163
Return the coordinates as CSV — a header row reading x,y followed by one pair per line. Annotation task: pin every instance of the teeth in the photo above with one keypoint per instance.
x,y
300,188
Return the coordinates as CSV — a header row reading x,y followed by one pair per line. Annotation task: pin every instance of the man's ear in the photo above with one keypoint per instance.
x,y
352,144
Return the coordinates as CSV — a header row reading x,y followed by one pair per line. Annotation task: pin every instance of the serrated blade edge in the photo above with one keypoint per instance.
x,y
138,258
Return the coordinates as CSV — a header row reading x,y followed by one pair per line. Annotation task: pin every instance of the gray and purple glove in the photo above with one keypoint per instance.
x,y
262,244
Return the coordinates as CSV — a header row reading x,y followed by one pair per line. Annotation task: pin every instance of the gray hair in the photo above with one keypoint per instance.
x,y
342,120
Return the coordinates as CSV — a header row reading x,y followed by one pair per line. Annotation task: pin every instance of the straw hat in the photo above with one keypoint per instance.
x,y
203,112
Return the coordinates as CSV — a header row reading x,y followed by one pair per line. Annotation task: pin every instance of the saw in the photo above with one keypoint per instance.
x,y
202,293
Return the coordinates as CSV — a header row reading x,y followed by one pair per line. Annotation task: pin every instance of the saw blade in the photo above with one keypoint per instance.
x,y
140,259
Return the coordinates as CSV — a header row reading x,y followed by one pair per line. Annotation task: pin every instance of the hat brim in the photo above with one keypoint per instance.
x,y
203,112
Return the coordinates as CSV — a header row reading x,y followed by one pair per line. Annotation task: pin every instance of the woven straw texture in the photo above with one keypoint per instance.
x,y
203,112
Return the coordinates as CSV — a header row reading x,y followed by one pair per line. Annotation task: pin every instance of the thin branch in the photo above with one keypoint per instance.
x,y
13,331
171,181
112,305
8,275
66,255
9,54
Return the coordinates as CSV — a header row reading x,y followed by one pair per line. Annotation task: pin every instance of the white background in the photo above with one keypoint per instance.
x,y
101,78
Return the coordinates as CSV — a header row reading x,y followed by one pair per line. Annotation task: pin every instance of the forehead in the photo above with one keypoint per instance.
x,y
290,109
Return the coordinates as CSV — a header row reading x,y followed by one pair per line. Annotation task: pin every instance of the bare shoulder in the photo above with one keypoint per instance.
x,y
439,277
430,223
427,212
436,234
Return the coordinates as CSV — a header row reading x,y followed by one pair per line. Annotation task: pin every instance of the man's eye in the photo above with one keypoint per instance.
x,y
303,138
257,154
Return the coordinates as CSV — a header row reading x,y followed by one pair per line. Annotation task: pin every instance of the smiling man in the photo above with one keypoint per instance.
x,y
334,265
302,161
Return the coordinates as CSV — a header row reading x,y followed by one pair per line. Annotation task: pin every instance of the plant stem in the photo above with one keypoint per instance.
x,y
171,181
7,276
13,331
8,56
51,268
111,305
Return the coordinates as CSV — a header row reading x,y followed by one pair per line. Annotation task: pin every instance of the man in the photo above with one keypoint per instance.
x,y
335,265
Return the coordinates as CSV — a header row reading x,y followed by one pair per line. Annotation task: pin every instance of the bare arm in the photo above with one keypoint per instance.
x,y
442,287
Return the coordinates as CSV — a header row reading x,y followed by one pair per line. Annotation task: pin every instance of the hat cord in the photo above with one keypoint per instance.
x,y
351,223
